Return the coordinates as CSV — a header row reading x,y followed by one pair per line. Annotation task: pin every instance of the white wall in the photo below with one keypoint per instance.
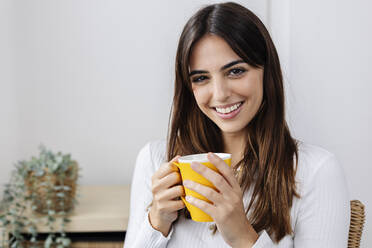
x,y
95,78
9,123
92,78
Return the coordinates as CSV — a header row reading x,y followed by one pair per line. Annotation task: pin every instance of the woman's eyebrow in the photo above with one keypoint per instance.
x,y
222,68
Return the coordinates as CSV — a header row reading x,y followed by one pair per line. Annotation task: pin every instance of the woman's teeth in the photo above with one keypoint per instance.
x,y
228,110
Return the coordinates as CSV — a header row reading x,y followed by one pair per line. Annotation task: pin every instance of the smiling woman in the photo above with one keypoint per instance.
x,y
230,92
229,98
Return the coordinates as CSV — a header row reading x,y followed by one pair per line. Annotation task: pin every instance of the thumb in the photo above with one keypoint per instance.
x,y
175,159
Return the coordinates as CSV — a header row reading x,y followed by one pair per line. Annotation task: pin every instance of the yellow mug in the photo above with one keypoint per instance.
x,y
187,173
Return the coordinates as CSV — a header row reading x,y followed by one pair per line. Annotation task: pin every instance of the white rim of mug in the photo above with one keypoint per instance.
x,y
186,159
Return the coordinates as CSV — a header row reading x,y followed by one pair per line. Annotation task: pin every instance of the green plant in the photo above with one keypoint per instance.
x,y
46,185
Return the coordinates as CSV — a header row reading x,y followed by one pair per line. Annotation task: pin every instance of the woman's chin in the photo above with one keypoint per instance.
x,y
227,129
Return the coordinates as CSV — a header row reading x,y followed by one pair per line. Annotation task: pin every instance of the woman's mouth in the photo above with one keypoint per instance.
x,y
230,112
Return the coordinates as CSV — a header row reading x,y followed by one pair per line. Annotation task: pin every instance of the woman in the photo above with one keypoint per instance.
x,y
229,97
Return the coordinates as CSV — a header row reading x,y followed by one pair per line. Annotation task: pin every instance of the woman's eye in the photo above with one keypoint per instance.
x,y
236,71
199,79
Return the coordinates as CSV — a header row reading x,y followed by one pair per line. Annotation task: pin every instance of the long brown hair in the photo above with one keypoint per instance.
x,y
270,157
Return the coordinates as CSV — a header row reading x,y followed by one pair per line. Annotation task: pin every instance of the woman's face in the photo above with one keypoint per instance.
x,y
227,90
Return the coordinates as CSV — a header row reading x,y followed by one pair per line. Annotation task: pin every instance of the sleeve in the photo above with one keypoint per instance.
x,y
140,233
324,215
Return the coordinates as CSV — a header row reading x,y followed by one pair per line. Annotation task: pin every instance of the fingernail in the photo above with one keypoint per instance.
x,y
188,198
194,165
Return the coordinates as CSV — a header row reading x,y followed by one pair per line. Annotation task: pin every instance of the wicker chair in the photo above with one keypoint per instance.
x,y
356,223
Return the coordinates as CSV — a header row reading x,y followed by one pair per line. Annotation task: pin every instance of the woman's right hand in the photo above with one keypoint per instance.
x,y
166,190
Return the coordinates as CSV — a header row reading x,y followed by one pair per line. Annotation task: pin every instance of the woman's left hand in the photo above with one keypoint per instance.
x,y
227,209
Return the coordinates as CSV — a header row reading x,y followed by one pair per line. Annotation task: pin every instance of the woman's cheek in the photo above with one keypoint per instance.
x,y
201,95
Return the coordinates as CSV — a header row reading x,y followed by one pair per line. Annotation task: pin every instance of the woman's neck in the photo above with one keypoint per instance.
x,y
234,144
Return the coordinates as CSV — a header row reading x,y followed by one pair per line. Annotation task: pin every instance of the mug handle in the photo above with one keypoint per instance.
x,y
178,165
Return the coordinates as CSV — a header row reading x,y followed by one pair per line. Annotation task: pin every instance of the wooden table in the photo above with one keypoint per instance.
x,y
100,209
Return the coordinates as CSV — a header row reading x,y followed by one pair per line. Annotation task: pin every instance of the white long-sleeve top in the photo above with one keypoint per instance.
x,y
321,218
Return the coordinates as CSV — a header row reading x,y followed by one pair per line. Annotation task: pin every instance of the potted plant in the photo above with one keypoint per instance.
x,y
46,186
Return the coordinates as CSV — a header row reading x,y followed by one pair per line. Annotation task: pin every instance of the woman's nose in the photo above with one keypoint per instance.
x,y
221,90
